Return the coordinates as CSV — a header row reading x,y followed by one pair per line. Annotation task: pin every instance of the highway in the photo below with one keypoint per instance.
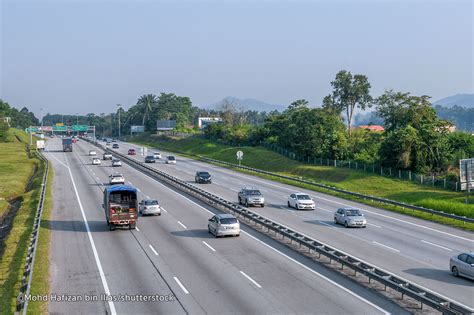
x,y
173,255
411,248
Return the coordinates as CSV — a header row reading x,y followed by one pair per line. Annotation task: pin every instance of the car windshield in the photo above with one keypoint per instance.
x,y
151,202
228,220
203,174
171,158
253,192
156,153
116,161
150,157
303,197
353,213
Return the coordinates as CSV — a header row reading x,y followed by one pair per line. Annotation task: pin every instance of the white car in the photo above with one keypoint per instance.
x,y
107,156
223,224
92,153
116,163
96,161
149,206
116,179
157,155
170,160
301,201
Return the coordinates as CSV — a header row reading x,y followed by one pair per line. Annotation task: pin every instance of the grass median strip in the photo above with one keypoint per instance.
x,y
351,180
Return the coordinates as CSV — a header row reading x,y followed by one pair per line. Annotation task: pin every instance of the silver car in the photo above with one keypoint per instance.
x,y
149,207
116,163
223,224
350,217
462,265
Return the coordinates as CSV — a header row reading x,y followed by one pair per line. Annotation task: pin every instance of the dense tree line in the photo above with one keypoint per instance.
x,y
20,119
461,117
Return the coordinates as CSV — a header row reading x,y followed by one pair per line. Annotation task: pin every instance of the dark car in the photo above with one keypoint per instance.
x,y
203,177
150,159
132,152
115,146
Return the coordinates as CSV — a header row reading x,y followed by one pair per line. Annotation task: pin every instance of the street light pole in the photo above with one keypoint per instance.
x,y
119,107
41,109
77,123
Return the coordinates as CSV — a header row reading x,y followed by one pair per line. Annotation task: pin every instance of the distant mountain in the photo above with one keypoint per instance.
x,y
245,104
464,100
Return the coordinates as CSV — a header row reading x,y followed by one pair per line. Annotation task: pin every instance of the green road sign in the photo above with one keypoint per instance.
x,y
31,129
59,128
80,127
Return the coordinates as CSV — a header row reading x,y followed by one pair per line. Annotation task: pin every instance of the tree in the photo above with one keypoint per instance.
x,y
349,92
147,102
298,104
415,137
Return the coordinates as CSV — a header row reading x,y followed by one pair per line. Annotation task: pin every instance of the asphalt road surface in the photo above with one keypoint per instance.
x,y
411,248
175,257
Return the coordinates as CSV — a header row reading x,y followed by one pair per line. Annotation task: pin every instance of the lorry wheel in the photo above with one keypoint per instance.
x,y
108,223
132,226
112,227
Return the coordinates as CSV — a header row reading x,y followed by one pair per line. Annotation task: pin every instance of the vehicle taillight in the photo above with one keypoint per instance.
x,y
112,210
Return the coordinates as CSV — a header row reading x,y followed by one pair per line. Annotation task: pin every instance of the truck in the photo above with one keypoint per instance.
x,y
121,206
67,145
40,144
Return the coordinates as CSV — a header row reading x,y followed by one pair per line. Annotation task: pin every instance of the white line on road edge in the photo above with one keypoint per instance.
x,y
209,246
380,244
324,209
184,226
164,210
250,279
94,250
153,250
437,245
137,229
181,285
281,253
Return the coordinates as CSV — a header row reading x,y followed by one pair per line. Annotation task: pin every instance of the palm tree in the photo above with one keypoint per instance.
x,y
147,102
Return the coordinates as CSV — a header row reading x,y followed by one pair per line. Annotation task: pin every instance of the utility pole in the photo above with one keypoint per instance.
x,y
77,123
41,109
119,108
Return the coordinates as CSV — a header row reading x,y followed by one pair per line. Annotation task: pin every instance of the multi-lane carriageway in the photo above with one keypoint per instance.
x,y
411,248
173,255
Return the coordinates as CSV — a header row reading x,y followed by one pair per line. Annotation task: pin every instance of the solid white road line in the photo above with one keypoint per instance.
x,y
164,210
210,247
391,248
250,279
136,228
433,244
91,240
153,250
324,209
184,226
181,285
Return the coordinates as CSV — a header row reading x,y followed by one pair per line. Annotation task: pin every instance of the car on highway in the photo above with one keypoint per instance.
x,y
107,156
203,177
157,155
223,224
107,143
149,207
116,163
92,152
170,159
132,152
116,178
462,265
301,201
150,159
114,140
96,161
350,217
115,146
251,197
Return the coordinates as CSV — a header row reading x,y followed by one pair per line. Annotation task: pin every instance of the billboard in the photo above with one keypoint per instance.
x,y
466,170
163,125
204,121
137,129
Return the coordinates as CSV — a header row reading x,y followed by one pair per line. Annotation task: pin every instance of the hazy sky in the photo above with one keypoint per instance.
x,y
88,56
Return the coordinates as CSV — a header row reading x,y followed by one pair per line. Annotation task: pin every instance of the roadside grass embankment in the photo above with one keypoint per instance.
x,y
21,179
351,180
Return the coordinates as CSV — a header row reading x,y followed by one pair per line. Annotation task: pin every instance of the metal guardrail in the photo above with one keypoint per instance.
x,y
367,197
22,302
372,272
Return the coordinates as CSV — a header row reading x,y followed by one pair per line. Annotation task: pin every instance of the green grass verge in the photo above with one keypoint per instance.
x,y
13,259
40,282
15,167
352,180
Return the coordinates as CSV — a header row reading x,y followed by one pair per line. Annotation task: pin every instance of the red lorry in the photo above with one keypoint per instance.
x,y
121,206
